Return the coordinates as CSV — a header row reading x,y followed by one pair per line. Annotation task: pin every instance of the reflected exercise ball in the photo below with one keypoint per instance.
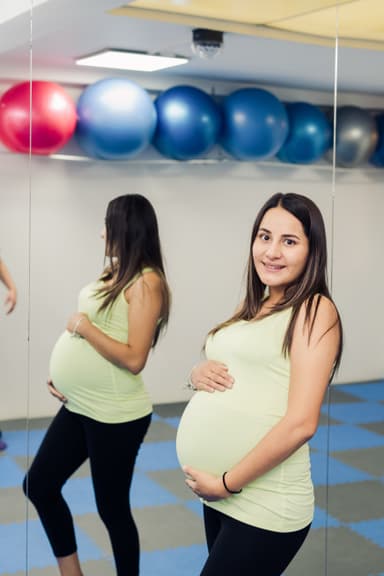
x,y
188,123
53,120
116,119
310,134
378,156
255,124
356,136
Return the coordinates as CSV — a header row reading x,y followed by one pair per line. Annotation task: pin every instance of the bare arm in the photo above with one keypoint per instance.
x,y
145,304
8,282
312,361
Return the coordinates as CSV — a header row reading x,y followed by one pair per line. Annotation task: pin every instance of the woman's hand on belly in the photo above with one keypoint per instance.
x,y
54,391
211,376
74,321
204,485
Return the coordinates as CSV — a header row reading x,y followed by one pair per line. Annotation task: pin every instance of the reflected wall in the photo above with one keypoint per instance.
x,y
355,543
14,328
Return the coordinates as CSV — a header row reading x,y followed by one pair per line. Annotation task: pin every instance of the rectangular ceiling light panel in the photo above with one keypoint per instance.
x,y
125,60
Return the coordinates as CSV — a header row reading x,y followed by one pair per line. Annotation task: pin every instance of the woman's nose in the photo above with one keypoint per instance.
x,y
273,250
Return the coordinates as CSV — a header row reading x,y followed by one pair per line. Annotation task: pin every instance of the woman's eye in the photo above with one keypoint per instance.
x,y
264,237
290,242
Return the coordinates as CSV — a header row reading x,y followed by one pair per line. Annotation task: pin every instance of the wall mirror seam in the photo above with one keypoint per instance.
x,y
190,244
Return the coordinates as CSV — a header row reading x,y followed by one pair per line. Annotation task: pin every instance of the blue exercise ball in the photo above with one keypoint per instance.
x,y
378,156
255,124
310,134
189,122
356,136
116,119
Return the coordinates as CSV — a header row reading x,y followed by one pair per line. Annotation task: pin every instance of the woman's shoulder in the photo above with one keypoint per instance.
x,y
319,313
321,303
146,279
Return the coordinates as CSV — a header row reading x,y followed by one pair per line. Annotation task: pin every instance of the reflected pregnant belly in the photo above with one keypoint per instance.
x,y
212,436
75,365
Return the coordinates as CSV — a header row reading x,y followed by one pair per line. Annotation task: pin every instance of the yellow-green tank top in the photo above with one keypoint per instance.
x,y
217,430
92,385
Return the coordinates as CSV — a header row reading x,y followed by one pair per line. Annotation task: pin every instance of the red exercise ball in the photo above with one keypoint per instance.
x,y
53,117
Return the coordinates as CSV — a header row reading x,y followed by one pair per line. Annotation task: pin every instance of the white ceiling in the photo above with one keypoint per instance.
x,y
62,30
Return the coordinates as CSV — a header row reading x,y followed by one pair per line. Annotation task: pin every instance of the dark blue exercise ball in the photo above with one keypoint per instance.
x,y
378,156
116,119
255,124
189,123
310,134
356,136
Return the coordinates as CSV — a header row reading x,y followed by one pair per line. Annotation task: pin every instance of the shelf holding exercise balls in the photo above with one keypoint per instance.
x,y
310,134
116,119
53,117
255,124
189,123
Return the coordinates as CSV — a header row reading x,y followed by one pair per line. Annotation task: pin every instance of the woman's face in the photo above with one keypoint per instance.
x,y
280,250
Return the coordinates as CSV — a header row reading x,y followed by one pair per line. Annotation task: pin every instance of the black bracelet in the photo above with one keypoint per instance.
x,y
226,487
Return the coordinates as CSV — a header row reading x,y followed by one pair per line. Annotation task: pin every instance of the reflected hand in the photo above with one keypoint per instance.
x,y
204,485
211,376
76,322
54,391
10,301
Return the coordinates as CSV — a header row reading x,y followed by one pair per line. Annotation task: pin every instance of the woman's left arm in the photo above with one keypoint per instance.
x,y
312,358
7,280
145,302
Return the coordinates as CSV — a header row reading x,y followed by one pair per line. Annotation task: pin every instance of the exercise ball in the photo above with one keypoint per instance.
x,y
188,123
310,134
356,136
255,124
116,119
378,156
37,116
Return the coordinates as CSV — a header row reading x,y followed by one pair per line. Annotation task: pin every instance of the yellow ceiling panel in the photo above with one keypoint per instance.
x,y
244,11
358,20
359,23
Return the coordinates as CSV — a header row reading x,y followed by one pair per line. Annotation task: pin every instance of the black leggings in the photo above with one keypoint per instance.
x,y
112,450
237,548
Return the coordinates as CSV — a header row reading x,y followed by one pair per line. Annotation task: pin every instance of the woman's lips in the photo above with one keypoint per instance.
x,y
273,267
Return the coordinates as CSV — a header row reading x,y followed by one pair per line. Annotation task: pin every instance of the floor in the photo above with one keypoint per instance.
x,y
348,540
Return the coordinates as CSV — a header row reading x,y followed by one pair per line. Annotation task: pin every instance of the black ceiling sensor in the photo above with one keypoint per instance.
x,y
207,43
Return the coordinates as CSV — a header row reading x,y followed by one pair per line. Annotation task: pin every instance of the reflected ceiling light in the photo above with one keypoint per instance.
x,y
128,60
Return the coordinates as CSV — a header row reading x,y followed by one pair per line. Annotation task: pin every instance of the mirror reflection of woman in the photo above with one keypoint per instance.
x,y
95,371
242,440
10,303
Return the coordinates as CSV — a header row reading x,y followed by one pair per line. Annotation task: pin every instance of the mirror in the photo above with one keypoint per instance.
x,y
356,432
205,207
15,57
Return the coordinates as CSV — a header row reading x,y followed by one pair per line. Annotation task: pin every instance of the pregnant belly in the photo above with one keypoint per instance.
x,y
75,365
212,436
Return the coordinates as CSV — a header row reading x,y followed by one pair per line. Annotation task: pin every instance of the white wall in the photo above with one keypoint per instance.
x,y
205,214
14,249
358,276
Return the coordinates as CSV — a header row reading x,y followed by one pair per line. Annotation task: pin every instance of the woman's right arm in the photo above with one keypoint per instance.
x,y
210,376
145,299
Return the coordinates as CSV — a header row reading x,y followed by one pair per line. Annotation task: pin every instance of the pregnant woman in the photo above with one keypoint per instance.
x,y
242,440
95,371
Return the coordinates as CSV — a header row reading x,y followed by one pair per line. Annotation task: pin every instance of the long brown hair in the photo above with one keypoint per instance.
x,y
307,288
132,244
